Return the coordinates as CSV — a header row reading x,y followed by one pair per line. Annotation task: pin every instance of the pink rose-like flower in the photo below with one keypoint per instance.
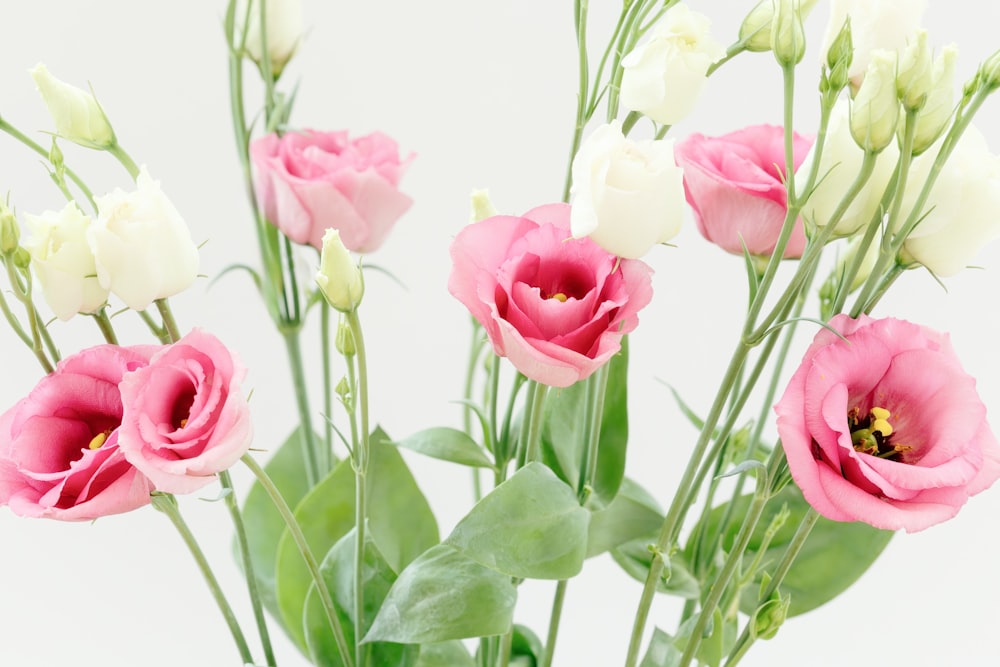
x,y
310,181
59,453
556,307
886,427
185,419
733,183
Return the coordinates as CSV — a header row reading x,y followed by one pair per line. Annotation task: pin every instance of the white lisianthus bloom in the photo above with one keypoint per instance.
x,y
875,24
937,111
339,276
960,215
875,110
840,164
627,195
63,262
142,247
77,115
663,77
284,30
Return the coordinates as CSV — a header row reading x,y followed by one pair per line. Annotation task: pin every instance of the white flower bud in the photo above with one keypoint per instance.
x,y
788,39
755,31
77,115
339,276
914,79
875,110
482,207
284,30
936,113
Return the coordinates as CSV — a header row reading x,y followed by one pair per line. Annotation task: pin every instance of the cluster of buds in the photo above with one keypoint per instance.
x,y
776,25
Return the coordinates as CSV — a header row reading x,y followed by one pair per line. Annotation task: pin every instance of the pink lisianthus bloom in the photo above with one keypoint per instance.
x,y
59,446
886,427
734,185
556,307
310,181
185,418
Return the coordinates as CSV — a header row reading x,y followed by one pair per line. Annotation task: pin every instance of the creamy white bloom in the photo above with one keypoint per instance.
x,y
63,262
77,115
284,30
914,76
961,212
339,276
627,195
663,77
936,113
840,164
875,110
142,247
875,24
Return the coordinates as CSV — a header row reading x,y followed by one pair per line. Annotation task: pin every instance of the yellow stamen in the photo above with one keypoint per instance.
x,y
559,296
98,440
184,422
883,427
881,414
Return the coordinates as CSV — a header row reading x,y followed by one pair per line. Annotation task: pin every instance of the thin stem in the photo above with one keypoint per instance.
x,y
169,323
104,324
156,329
248,571
532,446
13,321
22,292
125,159
597,389
310,561
554,618
167,504
583,82
326,360
14,132
308,438
504,648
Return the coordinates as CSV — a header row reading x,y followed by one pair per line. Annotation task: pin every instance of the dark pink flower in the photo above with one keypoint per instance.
x,y
310,181
59,453
734,184
886,427
185,419
556,307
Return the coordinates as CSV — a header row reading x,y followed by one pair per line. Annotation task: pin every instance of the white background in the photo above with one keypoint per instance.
x,y
483,92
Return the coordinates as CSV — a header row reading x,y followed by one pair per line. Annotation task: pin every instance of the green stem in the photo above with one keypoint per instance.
x,y
14,132
160,332
326,360
167,504
13,321
169,323
307,556
22,292
554,618
533,441
104,324
309,455
248,571
475,349
125,159
580,15
597,389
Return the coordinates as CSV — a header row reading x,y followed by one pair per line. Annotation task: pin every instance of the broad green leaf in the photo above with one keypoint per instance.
x,y
833,557
263,523
445,595
525,648
715,644
563,433
632,515
447,444
531,526
338,573
635,558
661,651
445,654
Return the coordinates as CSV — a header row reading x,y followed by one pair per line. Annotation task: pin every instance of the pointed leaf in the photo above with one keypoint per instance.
x,y
447,444
635,558
531,526
661,652
632,515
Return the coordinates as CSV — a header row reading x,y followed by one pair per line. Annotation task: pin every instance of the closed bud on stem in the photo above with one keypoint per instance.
x,y
755,31
345,340
283,28
339,275
989,73
10,232
839,57
936,113
56,157
482,207
875,110
77,115
914,78
788,38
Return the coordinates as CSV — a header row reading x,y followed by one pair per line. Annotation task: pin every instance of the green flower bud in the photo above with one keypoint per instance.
x,y
769,617
914,78
875,110
934,117
345,340
839,57
788,38
989,72
10,232
755,31
339,276
77,115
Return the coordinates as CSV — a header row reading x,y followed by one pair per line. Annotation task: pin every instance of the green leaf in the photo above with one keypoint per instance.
x,y
661,651
531,526
264,525
447,444
715,644
635,558
445,595
563,433
632,515
445,654
525,647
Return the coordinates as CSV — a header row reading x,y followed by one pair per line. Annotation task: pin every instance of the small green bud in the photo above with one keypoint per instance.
x,y
339,276
788,38
345,340
839,58
989,72
755,31
343,389
934,117
56,156
10,232
22,259
769,617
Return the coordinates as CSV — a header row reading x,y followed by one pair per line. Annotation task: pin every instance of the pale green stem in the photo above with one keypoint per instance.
x,y
294,349
505,648
23,294
326,360
14,132
580,16
169,323
536,418
554,618
104,324
156,329
12,320
125,159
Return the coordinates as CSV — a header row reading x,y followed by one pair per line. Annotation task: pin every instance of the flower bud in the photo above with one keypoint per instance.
x,y
283,25
10,233
913,79
788,39
936,113
989,72
482,207
768,618
755,31
339,276
77,115
345,340
875,110
839,57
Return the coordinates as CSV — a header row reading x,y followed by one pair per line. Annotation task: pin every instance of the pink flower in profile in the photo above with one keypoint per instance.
x,y
59,446
556,307
310,181
886,427
734,185
185,418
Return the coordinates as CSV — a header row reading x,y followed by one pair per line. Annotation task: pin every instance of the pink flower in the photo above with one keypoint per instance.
x,y
310,181
734,185
886,428
185,419
556,307
59,446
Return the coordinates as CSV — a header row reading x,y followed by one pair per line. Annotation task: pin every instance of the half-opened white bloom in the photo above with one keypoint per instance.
x,y
875,110
63,261
936,113
284,30
875,24
663,77
77,115
142,246
339,276
627,195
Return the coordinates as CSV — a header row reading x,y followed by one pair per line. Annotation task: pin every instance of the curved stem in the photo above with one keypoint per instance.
x,y
554,618
15,133
169,323
580,15
294,349
125,159
104,324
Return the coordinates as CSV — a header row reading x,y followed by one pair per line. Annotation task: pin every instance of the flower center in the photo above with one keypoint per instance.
x,y
98,440
558,296
872,434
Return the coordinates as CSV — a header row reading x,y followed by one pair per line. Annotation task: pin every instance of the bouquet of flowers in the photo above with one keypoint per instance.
x,y
591,481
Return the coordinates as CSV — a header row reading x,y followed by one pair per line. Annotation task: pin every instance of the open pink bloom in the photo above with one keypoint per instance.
x,y
886,428
556,307
185,419
734,185
59,453
310,181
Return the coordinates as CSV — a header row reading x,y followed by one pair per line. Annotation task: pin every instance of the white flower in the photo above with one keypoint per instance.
x,y
627,196
961,212
77,115
284,30
875,110
839,165
664,77
339,277
875,24
143,249
936,113
63,261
